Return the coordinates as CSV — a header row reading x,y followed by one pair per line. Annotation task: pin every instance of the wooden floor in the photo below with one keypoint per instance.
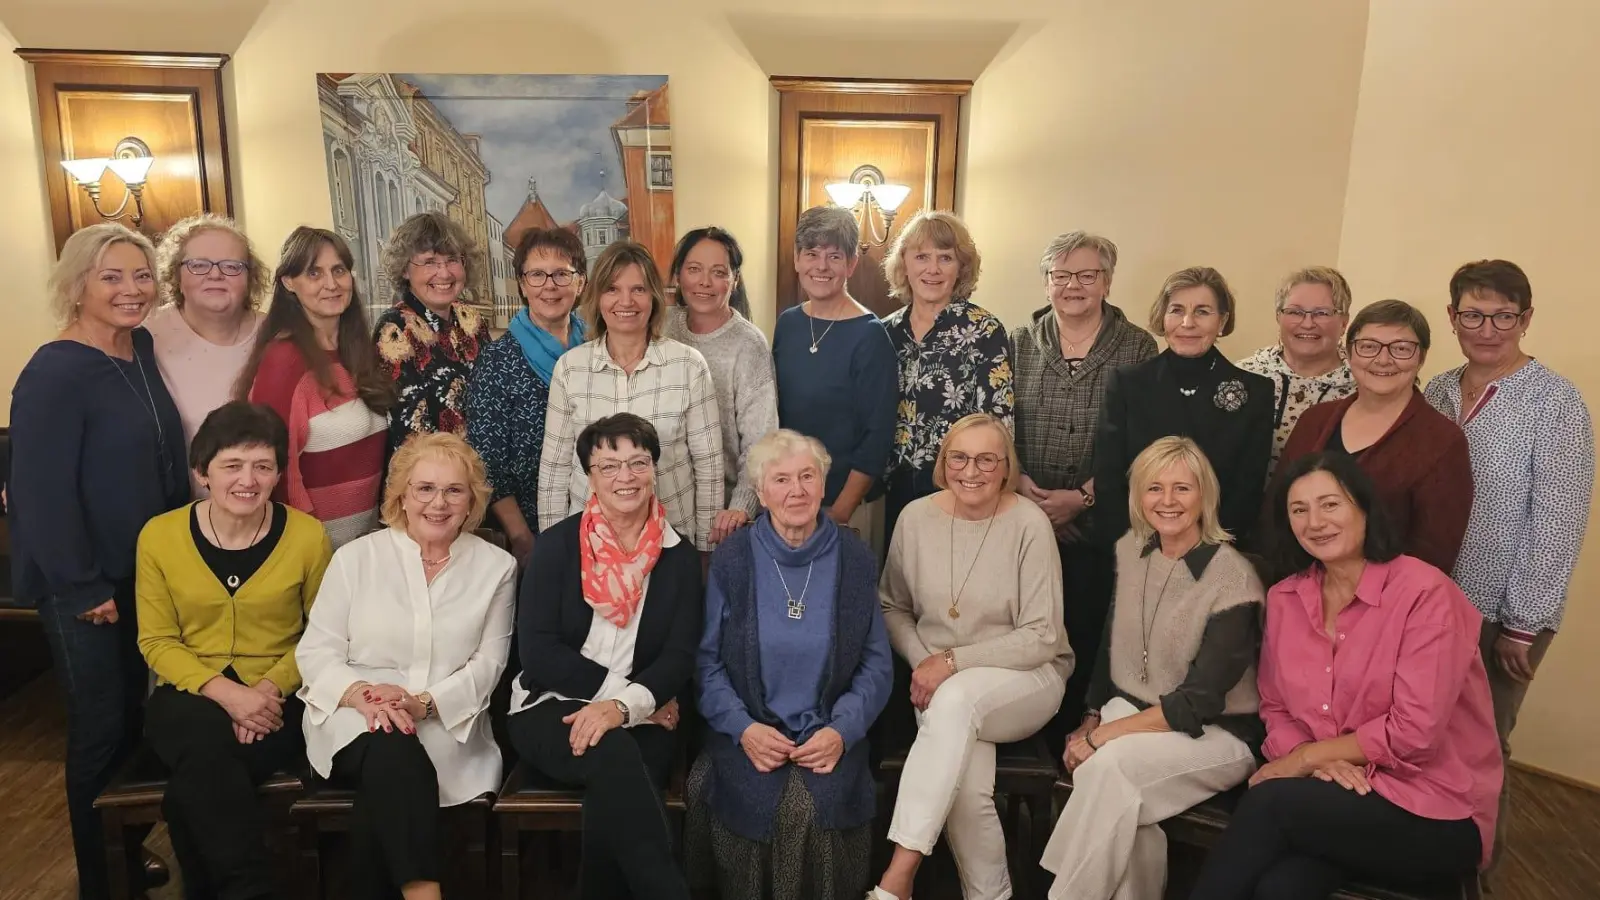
x,y
1553,854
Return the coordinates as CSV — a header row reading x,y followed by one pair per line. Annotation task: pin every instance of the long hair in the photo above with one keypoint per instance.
x,y
1285,554
287,320
738,300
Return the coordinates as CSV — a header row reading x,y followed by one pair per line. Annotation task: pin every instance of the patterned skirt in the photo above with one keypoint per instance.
x,y
801,862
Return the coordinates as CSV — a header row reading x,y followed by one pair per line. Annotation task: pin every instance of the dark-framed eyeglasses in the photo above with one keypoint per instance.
x,y
986,462
200,267
1472,320
1367,348
537,277
611,468
1064,277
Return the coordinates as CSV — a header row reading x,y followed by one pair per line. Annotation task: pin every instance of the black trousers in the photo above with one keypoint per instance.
x,y
1088,575
1301,838
394,826
627,840
104,677
904,485
218,828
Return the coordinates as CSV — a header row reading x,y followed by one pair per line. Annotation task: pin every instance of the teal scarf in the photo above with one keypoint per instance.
x,y
539,347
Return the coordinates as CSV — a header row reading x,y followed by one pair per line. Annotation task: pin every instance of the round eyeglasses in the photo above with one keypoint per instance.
x,y
986,462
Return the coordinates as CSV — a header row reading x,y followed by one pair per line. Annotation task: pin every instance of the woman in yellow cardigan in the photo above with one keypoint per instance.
x,y
223,587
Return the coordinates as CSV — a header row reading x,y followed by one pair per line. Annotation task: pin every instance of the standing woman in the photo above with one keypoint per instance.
x,y
430,338
629,367
97,451
212,284
510,386
315,366
954,357
710,290
1189,390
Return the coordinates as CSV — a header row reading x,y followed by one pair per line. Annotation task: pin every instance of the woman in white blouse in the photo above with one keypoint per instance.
x,y
629,367
409,731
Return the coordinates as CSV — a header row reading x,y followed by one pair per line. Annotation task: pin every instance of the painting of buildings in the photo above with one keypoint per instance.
x,y
500,154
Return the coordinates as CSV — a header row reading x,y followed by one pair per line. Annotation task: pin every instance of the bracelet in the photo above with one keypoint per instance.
x,y
350,691
950,659
1088,738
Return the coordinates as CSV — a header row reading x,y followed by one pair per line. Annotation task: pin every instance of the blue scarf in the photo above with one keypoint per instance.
x,y
539,347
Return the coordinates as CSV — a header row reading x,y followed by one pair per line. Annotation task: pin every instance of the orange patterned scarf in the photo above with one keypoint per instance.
x,y
613,578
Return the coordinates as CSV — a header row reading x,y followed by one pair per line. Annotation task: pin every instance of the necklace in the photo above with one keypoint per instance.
x,y
430,563
811,323
1071,347
1190,392
797,608
955,595
232,580
148,400
1147,623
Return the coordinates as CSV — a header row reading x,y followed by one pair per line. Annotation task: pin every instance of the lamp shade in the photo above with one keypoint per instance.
x,y
844,193
132,170
85,171
890,196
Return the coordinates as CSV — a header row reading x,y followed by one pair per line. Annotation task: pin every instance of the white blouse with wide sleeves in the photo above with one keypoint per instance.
x,y
377,619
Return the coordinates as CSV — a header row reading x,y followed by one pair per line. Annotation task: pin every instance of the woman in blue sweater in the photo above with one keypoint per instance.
x,y
97,451
794,666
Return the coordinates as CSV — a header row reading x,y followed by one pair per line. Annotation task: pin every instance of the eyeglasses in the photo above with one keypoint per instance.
x,y
200,267
611,468
987,462
439,263
537,277
454,494
1317,316
1471,319
1366,348
1064,277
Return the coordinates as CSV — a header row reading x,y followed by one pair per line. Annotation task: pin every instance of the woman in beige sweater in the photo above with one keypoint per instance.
x,y
971,596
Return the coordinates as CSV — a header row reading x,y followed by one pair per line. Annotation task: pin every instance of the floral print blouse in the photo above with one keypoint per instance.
x,y
961,366
505,408
430,361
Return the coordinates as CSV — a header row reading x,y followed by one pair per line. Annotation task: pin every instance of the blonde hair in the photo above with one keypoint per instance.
x,y
439,445
1149,465
608,266
169,259
979,420
942,231
1183,279
782,443
1323,275
80,255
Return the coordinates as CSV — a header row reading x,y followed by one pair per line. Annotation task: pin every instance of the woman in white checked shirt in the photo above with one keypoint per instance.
x,y
629,367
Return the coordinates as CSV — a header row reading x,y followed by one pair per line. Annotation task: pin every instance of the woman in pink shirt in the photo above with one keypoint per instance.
x,y
1384,764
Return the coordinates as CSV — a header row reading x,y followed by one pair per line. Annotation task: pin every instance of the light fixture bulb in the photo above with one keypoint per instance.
x,y
133,170
85,171
890,196
845,193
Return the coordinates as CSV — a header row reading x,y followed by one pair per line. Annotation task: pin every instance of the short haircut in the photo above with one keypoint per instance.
x,y
967,423
169,259
782,443
611,430
1194,276
440,445
828,226
739,299
608,267
431,232
559,240
1072,240
80,255
1391,312
1501,276
942,231
1285,555
238,423
1329,278
1148,466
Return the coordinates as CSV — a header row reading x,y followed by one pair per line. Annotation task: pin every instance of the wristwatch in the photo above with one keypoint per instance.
x,y
428,710
1088,498
622,708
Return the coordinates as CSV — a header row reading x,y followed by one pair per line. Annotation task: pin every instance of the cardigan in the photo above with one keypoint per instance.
x,y
1421,468
191,628
430,359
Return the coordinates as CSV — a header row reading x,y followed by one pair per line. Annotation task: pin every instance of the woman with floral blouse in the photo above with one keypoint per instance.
x,y
954,357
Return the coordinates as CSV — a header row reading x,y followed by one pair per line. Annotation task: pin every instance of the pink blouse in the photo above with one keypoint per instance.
x,y
1404,674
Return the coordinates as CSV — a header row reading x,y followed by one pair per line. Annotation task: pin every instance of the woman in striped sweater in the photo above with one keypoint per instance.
x,y
314,364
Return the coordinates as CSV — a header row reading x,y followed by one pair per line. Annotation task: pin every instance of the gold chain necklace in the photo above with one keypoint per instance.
x,y
955,595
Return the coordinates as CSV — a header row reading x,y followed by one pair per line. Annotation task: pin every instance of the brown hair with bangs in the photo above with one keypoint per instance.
x,y
608,267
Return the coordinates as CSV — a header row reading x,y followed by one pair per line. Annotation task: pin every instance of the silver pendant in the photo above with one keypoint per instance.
x,y
813,348
233,581
1188,392
1144,669
796,609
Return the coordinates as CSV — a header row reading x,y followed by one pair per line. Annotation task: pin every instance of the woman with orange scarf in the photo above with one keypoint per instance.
x,y
607,627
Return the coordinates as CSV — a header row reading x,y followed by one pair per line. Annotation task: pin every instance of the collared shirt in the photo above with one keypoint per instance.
x,y
430,360
671,387
1532,447
1296,393
962,365
1402,673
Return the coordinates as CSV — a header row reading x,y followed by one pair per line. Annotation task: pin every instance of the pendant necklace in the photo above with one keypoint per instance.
x,y
955,595
811,324
797,608
1190,392
233,580
1147,624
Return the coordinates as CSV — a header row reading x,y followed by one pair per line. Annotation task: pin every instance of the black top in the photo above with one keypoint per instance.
x,y
234,567
1336,439
1226,410
91,463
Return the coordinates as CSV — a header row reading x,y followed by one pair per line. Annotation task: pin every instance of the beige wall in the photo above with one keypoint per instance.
x,y
1477,137
25,224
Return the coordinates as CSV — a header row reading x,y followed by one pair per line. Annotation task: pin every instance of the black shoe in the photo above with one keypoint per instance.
x,y
156,873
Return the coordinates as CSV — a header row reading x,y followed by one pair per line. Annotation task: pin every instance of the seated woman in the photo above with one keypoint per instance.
x,y
971,597
1173,702
1380,730
781,801
606,628
223,588
410,733
1416,457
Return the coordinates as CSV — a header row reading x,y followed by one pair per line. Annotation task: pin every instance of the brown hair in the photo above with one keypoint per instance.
x,y
560,240
1391,312
286,320
431,232
607,268
979,420
1500,276
434,445
169,258
1194,276
943,231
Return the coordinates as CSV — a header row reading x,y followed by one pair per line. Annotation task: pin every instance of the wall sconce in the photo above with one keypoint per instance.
x,y
866,189
131,161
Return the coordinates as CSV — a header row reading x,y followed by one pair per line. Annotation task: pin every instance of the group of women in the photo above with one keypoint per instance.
x,y
280,522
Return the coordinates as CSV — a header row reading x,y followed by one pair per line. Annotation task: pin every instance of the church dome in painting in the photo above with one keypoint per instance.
x,y
603,206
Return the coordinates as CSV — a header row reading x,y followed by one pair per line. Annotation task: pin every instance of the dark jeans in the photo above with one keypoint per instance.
x,y
627,840
218,828
394,825
1088,575
1301,838
104,677
904,486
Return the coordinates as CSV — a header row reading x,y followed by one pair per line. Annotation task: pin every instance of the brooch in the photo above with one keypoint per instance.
x,y
1231,395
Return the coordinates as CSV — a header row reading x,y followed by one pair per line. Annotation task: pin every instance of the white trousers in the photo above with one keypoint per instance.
x,y
1108,843
948,781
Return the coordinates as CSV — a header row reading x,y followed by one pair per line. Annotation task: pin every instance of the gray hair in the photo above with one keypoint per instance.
x,y
828,226
1323,275
782,443
80,255
1073,240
